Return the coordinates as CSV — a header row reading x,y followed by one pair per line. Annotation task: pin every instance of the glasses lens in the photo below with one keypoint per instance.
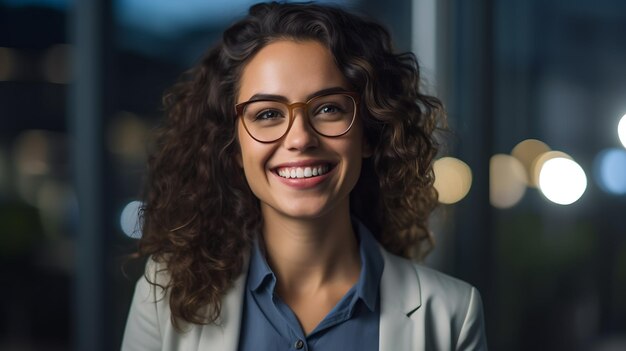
x,y
266,120
332,115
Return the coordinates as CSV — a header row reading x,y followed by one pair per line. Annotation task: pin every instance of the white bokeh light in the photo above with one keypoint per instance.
x,y
537,164
621,130
562,180
130,221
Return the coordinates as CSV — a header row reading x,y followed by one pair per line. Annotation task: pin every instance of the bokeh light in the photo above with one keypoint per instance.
x,y
127,137
527,153
507,181
610,171
32,153
541,160
31,157
621,130
56,65
130,221
453,179
54,201
8,63
562,180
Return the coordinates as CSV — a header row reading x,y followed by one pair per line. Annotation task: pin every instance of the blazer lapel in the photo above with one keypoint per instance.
x,y
400,297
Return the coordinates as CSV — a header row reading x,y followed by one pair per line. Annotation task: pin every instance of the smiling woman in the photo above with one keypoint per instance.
x,y
292,180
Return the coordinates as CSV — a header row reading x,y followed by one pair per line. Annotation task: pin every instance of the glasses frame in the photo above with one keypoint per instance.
x,y
240,107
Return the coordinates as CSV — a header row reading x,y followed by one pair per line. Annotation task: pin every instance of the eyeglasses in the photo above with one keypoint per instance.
x,y
329,115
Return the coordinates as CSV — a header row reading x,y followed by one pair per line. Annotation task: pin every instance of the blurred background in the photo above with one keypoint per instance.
x,y
532,182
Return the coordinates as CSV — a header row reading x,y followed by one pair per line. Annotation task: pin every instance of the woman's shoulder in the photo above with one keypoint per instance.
x,y
149,312
436,282
449,310
149,325
431,287
153,284
429,279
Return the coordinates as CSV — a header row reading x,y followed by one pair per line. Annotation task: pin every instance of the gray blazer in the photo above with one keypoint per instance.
x,y
421,309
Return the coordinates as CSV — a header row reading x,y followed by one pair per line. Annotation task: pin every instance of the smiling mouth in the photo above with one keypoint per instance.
x,y
303,172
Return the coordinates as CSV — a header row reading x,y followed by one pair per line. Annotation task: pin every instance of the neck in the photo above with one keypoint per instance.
x,y
309,254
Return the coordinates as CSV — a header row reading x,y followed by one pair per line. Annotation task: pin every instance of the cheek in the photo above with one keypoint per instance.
x,y
252,156
247,164
352,152
253,160
359,148
250,151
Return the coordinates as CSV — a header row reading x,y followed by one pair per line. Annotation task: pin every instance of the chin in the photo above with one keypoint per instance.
x,y
302,209
305,213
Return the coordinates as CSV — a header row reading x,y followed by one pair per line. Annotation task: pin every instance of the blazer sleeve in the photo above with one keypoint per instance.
x,y
472,334
142,326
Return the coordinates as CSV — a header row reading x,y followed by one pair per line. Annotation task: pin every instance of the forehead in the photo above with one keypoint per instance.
x,y
293,69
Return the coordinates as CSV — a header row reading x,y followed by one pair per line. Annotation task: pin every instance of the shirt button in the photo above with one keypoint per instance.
x,y
299,344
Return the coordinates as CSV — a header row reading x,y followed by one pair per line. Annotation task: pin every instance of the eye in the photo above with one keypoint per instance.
x,y
268,114
329,109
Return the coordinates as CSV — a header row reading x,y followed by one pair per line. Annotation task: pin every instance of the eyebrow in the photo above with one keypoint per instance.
x,y
282,98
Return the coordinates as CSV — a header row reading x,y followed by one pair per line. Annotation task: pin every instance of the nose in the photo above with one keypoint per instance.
x,y
301,135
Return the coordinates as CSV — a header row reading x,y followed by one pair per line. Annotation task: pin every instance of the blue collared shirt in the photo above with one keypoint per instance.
x,y
269,324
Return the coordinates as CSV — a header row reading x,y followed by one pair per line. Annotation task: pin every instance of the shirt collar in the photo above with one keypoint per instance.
x,y
372,264
260,274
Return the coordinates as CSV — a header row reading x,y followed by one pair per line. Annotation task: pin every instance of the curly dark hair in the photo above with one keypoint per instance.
x,y
200,216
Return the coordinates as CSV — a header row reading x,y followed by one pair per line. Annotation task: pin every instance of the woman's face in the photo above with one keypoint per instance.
x,y
296,71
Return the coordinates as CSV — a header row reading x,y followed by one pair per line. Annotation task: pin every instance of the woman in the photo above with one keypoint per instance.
x,y
291,180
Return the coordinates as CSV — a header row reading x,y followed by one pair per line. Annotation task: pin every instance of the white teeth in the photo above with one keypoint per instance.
x,y
300,172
